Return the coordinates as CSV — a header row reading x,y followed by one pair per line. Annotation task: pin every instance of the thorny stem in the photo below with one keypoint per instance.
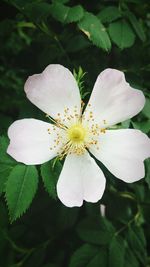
x,y
28,252
45,30
128,224
133,198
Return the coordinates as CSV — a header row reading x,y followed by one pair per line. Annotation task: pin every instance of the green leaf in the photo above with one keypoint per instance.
x,y
60,1
126,124
137,242
146,109
77,43
20,4
117,252
121,34
130,259
5,122
147,177
37,12
4,221
66,14
96,230
74,14
88,256
50,173
136,25
95,31
4,173
66,217
20,189
109,14
144,126
4,157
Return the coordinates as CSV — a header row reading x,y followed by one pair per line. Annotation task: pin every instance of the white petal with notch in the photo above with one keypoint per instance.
x,y
113,100
53,91
123,152
80,179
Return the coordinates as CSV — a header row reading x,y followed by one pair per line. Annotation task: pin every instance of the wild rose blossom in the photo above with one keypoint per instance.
x,y
76,136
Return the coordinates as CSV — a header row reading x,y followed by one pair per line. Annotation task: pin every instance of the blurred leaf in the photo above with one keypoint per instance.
x,y
66,14
137,242
95,31
20,189
77,43
109,14
96,230
37,258
125,124
136,25
89,256
121,34
5,122
130,259
21,3
67,217
4,220
60,1
4,173
146,109
144,126
121,206
50,172
147,176
117,252
4,157
37,12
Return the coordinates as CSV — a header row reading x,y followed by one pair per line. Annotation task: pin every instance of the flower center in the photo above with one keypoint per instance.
x,y
77,133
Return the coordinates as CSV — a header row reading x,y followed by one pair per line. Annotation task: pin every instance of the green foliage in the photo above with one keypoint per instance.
x,y
130,259
142,125
109,14
66,14
96,230
37,11
95,31
137,242
6,163
117,252
147,177
20,189
88,256
121,34
4,157
4,173
146,109
137,26
79,76
50,172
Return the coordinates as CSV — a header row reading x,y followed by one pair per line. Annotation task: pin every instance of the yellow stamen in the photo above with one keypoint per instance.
x,y
77,133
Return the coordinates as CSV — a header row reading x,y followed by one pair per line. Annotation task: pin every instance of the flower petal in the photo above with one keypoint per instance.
x,y
123,152
80,179
55,92
113,100
30,142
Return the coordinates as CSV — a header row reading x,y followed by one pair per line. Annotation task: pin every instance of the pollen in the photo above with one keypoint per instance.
x,y
77,133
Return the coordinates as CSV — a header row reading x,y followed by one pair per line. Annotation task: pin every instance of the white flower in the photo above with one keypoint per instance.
x,y
76,135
